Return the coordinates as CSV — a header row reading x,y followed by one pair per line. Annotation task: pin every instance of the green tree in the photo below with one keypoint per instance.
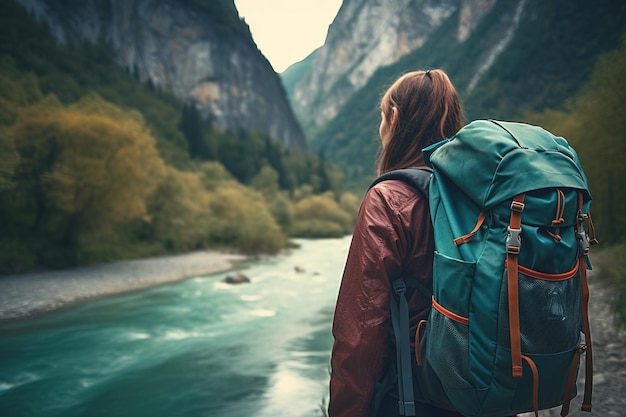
x,y
281,209
213,174
180,212
266,182
86,168
192,126
242,219
10,160
601,139
274,154
16,90
320,216
240,154
350,204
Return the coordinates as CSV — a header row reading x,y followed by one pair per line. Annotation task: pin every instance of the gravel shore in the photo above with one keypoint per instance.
x,y
27,295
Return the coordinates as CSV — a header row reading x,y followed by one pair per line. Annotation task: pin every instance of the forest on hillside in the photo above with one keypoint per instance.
x,y
97,166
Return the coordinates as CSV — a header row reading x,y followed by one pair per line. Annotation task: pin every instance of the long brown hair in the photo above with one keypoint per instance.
x,y
428,110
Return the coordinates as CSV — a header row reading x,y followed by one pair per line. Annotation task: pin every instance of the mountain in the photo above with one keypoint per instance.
x,y
292,75
365,35
198,50
507,58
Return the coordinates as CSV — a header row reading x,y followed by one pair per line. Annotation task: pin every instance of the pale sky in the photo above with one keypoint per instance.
x,y
286,31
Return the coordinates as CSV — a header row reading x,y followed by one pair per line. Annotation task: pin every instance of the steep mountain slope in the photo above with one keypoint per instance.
x,y
368,34
199,50
293,75
514,58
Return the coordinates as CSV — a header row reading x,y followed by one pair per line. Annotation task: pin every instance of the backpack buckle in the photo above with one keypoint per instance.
x,y
399,286
513,239
583,242
517,206
407,408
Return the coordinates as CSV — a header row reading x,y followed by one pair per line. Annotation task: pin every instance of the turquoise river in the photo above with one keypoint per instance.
x,y
197,347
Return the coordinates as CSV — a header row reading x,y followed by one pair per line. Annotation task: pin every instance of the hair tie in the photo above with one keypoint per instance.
x,y
428,74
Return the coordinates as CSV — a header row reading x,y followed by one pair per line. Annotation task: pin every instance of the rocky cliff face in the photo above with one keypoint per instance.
x,y
369,34
199,51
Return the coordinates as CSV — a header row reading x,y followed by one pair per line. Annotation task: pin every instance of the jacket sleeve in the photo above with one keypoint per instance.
x,y
361,325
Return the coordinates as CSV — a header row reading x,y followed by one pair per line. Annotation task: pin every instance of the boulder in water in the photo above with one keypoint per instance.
x,y
236,279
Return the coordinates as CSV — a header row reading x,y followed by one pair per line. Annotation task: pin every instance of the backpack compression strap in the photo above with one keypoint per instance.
x,y
513,242
583,262
583,242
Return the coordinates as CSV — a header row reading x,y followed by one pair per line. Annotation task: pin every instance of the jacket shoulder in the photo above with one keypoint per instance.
x,y
396,193
418,178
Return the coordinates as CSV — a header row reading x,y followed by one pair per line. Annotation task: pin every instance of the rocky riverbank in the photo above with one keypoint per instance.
x,y
27,295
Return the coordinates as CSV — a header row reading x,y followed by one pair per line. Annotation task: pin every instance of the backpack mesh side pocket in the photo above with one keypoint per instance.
x,y
550,311
448,349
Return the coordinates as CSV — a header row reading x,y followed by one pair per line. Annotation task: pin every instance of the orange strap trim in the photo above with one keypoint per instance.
x,y
449,314
571,381
517,206
554,235
548,277
560,208
466,238
535,373
418,353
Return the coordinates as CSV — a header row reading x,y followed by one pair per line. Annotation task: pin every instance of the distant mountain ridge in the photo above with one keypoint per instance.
x,y
292,75
507,58
367,35
198,50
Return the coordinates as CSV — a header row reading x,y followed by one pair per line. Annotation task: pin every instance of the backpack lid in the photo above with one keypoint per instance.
x,y
493,161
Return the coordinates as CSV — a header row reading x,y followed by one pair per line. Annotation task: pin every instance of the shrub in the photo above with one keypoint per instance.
x,y
180,212
241,219
316,228
282,210
320,216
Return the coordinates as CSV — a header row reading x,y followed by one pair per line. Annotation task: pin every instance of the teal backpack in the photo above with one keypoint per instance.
x,y
509,317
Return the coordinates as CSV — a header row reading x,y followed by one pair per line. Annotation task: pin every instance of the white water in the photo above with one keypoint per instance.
x,y
194,348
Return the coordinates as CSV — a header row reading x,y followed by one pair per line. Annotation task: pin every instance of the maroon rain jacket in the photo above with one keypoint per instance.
x,y
393,234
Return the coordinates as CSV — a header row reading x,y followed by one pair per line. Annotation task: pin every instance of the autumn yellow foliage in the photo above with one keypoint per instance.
x,y
86,182
98,169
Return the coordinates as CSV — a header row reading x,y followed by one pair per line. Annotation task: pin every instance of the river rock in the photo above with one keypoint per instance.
x,y
236,279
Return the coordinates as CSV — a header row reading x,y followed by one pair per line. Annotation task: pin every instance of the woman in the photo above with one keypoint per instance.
x,y
393,235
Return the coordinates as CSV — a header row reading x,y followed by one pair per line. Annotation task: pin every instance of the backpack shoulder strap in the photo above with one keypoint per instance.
x,y
417,177
400,322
